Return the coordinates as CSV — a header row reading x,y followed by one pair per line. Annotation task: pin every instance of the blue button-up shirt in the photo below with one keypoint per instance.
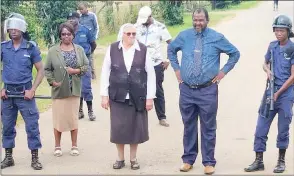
x,y
83,37
282,61
213,44
90,21
18,63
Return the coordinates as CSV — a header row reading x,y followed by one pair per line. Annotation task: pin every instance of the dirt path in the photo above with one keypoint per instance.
x,y
239,97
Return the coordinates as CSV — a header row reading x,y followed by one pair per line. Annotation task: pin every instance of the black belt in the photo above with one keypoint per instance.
x,y
199,86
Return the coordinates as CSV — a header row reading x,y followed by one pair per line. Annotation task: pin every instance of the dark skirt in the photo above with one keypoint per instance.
x,y
127,125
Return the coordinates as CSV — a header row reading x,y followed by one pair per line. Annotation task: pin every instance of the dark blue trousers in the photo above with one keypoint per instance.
x,y
204,103
86,79
283,107
30,114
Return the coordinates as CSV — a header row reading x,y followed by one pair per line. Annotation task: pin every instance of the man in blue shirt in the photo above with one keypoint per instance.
x,y
84,38
198,78
19,56
89,19
282,53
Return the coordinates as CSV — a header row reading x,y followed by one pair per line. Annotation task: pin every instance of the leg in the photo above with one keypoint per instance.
x,y
208,105
57,136
189,112
120,162
159,101
262,129
74,137
81,113
284,121
92,64
30,114
133,157
87,93
8,118
90,110
74,149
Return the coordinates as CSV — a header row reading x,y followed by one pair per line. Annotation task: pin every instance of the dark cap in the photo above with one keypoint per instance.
x,y
73,15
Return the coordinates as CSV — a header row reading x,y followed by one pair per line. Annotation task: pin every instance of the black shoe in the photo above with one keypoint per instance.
x,y
257,165
8,160
91,115
81,114
36,165
280,167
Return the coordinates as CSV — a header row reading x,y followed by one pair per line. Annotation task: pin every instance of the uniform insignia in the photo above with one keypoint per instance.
x,y
286,56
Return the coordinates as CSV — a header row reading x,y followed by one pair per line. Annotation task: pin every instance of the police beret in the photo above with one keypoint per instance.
x,y
73,15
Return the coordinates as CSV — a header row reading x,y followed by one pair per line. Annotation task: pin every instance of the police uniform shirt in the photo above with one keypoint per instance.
x,y
18,62
83,37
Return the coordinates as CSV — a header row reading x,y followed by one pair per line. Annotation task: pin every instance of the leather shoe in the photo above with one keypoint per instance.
x,y
209,170
186,167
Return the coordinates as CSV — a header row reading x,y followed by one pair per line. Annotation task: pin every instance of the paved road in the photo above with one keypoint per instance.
x,y
239,97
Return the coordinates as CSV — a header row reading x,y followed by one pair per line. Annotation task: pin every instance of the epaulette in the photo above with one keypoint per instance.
x,y
31,44
4,42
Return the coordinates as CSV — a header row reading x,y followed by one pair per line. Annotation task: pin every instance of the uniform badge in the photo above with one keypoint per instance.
x,y
286,56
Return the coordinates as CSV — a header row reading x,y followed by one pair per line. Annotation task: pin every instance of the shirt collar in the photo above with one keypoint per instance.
x,y
23,44
203,33
136,45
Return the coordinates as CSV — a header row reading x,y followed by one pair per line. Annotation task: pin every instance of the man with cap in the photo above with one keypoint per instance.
x,y
84,38
18,57
151,33
89,19
280,53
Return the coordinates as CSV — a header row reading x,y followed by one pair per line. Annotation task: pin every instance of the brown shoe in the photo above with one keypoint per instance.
x,y
163,123
209,170
186,167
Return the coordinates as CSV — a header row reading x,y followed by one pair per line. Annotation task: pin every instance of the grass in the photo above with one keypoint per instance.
x,y
215,17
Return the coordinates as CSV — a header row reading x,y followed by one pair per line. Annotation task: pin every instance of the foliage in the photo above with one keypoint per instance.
x,y
172,12
52,14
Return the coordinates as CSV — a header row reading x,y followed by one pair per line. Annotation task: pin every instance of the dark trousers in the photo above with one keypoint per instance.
x,y
204,103
159,101
283,107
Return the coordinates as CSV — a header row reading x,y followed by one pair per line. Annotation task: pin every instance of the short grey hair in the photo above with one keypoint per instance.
x,y
128,25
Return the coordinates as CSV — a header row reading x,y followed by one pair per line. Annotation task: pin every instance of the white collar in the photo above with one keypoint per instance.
x,y
136,45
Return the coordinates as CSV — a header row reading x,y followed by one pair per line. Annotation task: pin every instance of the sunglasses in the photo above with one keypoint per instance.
x,y
131,33
64,34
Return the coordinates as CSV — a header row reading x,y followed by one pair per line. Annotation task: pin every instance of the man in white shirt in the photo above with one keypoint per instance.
x,y
151,33
128,87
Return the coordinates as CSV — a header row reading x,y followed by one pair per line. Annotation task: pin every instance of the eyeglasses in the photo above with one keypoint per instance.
x,y
131,33
64,34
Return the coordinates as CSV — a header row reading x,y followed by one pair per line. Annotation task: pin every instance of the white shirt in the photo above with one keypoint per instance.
x,y
152,36
128,59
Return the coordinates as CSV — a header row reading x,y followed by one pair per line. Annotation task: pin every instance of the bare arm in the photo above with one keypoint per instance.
x,y
40,75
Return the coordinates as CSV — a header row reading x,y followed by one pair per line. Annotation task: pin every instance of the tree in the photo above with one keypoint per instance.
x,y
172,12
52,14
6,8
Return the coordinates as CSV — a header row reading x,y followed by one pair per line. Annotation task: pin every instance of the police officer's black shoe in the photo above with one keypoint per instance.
x,y
280,167
91,115
81,114
8,160
35,160
257,165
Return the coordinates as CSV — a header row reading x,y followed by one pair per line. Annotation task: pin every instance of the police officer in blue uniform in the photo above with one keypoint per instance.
x,y
18,57
84,38
283,71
